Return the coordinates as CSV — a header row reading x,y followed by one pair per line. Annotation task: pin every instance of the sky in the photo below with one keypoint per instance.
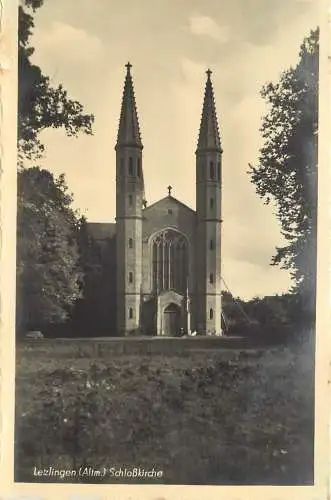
x,y
171,44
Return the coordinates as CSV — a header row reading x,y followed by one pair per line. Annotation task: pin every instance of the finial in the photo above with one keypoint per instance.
x,y
128,67
208,73
169,190
144,203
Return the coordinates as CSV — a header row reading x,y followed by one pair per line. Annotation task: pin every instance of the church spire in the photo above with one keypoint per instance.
x,y
209,138
128,131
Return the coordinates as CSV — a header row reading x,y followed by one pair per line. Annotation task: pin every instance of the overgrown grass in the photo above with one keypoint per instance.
x,y
218,417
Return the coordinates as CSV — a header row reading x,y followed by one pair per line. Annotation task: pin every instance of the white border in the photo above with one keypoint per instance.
x,y
10,490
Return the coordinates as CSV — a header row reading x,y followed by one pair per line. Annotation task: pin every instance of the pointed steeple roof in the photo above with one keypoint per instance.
x,y
209,137
128,130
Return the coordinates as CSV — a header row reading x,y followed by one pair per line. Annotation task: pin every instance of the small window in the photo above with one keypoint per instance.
x,y
130,242
130,166
169,211
212,170
211,202
211,278
211,245
138,167
130,313
130,200
130,277
219,170
211,314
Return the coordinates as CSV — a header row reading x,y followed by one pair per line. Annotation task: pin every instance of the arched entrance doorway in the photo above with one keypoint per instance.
x,y
171,320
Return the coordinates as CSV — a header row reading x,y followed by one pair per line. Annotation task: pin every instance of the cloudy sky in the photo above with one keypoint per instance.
x,y
170,44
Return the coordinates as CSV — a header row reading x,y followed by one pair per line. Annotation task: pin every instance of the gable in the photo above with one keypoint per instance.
x,y
168,202
168,212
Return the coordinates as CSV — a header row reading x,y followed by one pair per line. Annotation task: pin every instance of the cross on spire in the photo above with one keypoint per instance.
x,y
208,73
169,190
128,66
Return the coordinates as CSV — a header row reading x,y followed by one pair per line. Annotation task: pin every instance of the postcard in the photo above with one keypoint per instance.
x,y
165,253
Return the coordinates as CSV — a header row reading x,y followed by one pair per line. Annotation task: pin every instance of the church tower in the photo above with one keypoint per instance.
x,y
129,201
208,209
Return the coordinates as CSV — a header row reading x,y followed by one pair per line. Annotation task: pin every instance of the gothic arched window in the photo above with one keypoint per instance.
x,y
219,170
211,245
130,313
130,242
211,314
130,277
211,202
212,170
130,166
169,261
130,200
211,278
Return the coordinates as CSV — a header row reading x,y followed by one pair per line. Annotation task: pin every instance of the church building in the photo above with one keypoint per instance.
x,y
164,259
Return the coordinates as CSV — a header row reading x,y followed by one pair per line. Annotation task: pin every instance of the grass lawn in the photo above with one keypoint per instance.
x,y
212,417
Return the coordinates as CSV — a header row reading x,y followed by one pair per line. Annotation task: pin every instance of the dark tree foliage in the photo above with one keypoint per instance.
x,y
273,317
40,104
287,166
49,265
48,272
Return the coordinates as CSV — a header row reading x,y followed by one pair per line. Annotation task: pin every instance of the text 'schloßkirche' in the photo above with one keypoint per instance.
x,y
162,262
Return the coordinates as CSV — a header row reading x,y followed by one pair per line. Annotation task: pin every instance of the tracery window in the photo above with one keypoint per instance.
x,y
169,262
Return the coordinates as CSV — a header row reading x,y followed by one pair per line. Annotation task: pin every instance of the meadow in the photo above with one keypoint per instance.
x,y
210,416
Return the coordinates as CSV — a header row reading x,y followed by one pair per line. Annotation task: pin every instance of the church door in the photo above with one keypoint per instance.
x,y
171,320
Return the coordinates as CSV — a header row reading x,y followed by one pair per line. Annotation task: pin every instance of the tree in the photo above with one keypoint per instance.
x,y
48,274
41,105
287,165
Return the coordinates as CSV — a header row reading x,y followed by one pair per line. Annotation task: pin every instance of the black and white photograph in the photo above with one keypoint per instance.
x,y
167,187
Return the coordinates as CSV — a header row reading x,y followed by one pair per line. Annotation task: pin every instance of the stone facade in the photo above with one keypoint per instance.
x,y
167,257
